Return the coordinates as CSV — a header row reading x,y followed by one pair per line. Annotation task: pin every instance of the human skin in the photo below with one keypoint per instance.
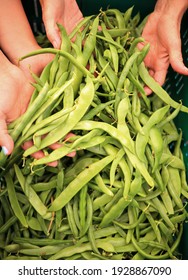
x,y
63,12
16,40
162,31
15,92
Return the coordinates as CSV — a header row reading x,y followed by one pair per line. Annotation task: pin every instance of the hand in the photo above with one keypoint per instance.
x,y
15,93
40,154
66,13
162,31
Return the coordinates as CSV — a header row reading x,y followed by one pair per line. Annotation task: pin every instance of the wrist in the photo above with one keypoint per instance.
x,y
174,8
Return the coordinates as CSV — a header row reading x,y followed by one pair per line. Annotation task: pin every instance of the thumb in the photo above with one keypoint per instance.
x,y
53,34
6,142
176,61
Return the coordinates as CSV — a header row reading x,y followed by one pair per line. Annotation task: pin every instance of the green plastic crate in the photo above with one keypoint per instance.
x,y
176,84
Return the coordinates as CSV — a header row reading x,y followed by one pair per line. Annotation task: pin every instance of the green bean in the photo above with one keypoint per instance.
x,y
167,201
132,217
134,44
30,112
6,210
156,143
154,226
118,16
92,240
70,251
123,195
179,219
155,118
11,221
80,25
94,112
142,139
127,15
30,193
115,211
64,150
71,220
44,186
125,142
43,225
66,46
39,241
89,205
161,209
159,257
82,178
100,183
175,179
126,69
72,171
171,188
75,208
101,201
122,111
170,117
183,180
107,38
42,251
140,88
83,104
14,201
82,206
124,167
108,70
34,224
130,225
143,53
62,53
157,89
114,165
53,70
170,160
51,99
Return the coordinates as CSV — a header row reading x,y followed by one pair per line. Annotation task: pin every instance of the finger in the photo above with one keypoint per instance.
x,y
38,154
53,34
6,142
59,145
148,91
176,61
160,76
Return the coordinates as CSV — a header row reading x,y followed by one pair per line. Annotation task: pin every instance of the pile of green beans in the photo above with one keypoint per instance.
x,y
123,195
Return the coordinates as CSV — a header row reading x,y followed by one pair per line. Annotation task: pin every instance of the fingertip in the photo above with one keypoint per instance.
x,y
53,164
177,63
148,91
72,154
7,144
56,43
5,150
160,77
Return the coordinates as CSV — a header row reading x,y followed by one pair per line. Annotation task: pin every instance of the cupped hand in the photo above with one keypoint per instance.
x,y
15,90
162,32
66,13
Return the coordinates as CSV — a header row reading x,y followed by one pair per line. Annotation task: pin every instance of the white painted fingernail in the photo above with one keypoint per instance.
x,y
5,150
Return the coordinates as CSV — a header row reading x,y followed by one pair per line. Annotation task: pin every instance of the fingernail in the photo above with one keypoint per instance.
x,y
4,149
